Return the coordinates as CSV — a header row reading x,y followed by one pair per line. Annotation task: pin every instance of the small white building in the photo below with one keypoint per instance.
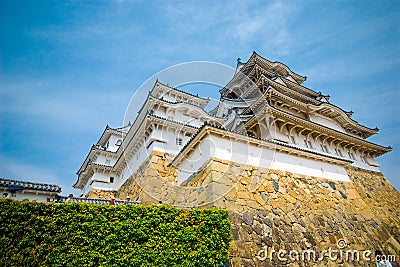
x,y
22,190
265,118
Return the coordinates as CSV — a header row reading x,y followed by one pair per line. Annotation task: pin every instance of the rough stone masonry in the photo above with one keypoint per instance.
x,y
278,210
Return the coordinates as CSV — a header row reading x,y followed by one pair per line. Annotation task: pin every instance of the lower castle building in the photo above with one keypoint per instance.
x,y
24,190
295,171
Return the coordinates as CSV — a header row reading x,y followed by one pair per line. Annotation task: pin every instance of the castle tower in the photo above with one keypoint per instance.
x,y
295,171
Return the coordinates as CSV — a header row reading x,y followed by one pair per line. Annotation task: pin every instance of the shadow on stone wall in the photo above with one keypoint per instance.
x,y
275,210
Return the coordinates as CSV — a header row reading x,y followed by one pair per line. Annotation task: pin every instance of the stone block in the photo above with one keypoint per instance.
x,y
259,199
352,194
290,198
268,187
367,214
243,195
241,201
247,218
273,176
309,210
274,203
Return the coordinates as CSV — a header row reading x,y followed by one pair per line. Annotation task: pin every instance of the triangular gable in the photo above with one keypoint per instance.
x,y
279,80
290,78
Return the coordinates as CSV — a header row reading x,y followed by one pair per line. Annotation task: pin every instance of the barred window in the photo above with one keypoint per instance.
x,y
179,141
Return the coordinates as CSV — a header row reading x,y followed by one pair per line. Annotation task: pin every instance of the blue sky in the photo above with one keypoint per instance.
x,y
68,68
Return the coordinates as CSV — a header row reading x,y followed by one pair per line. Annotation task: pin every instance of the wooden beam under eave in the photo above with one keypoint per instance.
x,y
294,129
304,130
290,126
323,139
340,141
315,135
283,125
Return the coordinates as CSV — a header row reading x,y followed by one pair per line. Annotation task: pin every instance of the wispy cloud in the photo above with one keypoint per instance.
x,y
268,23
20,170
66,109
78,66
236,26
17,169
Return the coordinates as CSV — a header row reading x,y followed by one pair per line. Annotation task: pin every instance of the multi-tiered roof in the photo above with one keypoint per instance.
x,y
273,87
264,104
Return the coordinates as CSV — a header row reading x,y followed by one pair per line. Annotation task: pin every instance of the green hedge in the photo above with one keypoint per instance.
x,y
44,234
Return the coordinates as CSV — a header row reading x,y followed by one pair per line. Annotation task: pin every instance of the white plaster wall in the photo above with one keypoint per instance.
x,y
181,117
197,158
276,135
299,165
186,116
243,153
21,195
169,98
85,190
132,165
368,164
362,165
104,183
102,159
180,114
326,122
101,176
104,186
155,135
330,123
160,111
316,144
358,162
168,136
112,141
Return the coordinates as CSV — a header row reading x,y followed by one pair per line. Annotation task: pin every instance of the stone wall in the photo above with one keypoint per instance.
x,y
150,182
97,193
295,212
273,210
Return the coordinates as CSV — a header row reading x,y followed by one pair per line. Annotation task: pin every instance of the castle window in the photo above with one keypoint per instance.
x,y
111,180
118,143
179,141
308,144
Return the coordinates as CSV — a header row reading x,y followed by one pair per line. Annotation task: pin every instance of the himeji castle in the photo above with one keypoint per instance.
x,y
265,118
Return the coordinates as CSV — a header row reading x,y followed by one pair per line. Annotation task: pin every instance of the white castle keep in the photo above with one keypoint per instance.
x,y
265,118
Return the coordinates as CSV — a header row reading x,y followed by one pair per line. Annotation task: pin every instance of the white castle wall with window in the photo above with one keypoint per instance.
x,y
264,102
292,169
